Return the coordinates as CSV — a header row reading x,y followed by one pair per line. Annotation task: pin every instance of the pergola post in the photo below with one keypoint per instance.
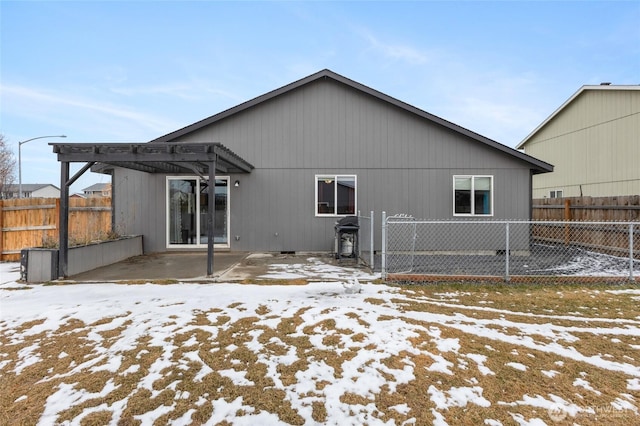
x,y
211,221
63,229
63,221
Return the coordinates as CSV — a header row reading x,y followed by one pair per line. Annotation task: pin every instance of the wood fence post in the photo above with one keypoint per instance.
x,y
56,215
1,233
567,218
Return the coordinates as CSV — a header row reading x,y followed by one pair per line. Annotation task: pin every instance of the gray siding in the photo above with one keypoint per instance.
x,y
328,125
140,207
403,163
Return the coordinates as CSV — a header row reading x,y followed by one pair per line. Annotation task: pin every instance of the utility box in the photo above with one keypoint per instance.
x,y
38,265
346,242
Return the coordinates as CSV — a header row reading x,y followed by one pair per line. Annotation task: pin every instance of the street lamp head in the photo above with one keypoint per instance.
x,y
41,137
20,158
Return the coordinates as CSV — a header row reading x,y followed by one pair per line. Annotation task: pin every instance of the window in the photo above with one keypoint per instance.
x,y
555,194
473,195
335,195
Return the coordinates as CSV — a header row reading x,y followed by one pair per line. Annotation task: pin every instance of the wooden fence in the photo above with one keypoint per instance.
x,y
588,209
613,238
33,222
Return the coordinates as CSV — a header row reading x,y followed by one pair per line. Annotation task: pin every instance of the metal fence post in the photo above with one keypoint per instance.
x,y
384,246
359,254
631,251
506,253
372,258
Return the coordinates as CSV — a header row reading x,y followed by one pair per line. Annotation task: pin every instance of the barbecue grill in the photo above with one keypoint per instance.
x,y
346,242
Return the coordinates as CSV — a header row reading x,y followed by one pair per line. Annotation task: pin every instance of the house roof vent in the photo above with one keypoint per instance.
x,y
606,83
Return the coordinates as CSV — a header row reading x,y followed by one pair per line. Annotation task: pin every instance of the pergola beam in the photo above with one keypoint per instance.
x,y
152,153
79,173
141,167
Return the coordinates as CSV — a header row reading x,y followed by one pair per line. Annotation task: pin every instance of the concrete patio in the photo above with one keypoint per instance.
x,y
163,266
227,266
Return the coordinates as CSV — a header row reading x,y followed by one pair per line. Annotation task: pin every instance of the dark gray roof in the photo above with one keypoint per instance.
x,y
99,187
28,187
538,166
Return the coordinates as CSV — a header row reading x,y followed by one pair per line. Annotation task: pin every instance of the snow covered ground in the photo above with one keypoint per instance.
x,y
322,353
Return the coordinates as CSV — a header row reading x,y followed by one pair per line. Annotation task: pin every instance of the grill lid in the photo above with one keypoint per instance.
x,y
347,222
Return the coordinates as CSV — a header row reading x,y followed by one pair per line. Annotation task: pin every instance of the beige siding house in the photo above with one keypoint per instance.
x,y
98,190
593,141
30,190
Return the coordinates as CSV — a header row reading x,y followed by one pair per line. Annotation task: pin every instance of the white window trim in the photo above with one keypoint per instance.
x,y
473,201
167,213
335,194
555,191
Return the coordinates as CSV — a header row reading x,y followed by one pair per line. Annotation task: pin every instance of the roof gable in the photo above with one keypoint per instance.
x,y
29,187
97,187
571,100
536,165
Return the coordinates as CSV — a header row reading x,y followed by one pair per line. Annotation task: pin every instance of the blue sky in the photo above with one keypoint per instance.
x,y
121,71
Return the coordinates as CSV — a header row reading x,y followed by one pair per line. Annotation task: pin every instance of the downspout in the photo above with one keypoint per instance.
x,y
113,203
530,194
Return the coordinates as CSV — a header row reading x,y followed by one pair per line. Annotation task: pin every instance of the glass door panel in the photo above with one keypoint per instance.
x,y
204,211
221,226
221,212
182,218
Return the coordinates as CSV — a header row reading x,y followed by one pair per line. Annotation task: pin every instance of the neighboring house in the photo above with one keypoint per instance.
x,y
322,148
593,141
31,190
98,190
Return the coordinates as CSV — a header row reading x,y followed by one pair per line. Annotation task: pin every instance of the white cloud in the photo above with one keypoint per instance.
x,y
498,101
58,108
402,52
179,90
196,89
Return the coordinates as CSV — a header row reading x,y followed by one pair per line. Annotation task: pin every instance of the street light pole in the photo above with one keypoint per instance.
x,y
20,159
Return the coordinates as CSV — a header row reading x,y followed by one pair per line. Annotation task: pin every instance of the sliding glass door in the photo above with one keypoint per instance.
x,y
188,212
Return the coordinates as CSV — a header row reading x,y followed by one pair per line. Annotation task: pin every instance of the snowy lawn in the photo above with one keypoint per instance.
x,y
97,354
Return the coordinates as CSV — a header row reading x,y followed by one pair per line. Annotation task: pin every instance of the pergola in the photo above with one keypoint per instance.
x,y
203,159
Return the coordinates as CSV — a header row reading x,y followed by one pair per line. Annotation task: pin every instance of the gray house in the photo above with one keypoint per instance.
x,y
320,148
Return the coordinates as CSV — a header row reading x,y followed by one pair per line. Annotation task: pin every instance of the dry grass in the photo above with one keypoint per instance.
x,y
227,353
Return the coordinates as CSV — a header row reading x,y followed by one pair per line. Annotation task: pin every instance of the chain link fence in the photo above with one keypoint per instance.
x,y
428,250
